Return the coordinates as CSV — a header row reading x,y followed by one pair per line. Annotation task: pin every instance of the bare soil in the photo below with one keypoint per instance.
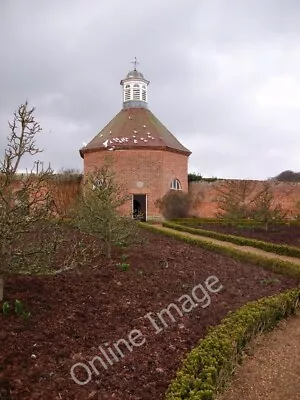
x,y
280,234
245,249
75,312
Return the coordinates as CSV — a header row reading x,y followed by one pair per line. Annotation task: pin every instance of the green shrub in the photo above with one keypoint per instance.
x,y
195,177
241,223
5,308
19,309
98,209
175,204
123,265
242,241
209,366
272,264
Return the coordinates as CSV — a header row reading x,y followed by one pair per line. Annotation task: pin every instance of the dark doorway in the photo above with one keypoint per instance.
x,y
139,206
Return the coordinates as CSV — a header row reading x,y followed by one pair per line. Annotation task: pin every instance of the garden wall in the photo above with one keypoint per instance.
x,y
205,193
64,190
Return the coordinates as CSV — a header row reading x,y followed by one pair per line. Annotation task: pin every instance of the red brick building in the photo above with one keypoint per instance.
x,y
147,159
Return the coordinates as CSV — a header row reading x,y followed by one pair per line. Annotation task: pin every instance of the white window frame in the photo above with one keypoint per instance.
x,y
175,184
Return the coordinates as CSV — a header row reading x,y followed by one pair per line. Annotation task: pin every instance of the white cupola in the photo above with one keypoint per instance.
x,y
135,88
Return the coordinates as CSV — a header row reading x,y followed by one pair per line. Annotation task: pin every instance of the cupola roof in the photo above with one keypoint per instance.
x,y
135,126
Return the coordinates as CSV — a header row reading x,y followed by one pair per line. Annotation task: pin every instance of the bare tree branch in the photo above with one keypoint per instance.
x,y
98,210
26,202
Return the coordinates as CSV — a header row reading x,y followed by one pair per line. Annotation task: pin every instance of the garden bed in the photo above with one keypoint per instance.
x,y
279,233
75,312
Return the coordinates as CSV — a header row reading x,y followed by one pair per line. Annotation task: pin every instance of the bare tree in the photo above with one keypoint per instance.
x,y
99,209
264,207
235,199
26,203
249,200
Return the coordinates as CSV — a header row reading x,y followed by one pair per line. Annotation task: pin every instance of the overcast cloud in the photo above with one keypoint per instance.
x,y
224,75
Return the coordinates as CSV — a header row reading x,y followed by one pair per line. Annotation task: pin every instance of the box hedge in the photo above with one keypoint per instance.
x,y
284,250
209,366
195,221
269,263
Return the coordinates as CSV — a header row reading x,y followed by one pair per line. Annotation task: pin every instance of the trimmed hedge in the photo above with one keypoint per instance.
x,y
284,250
272,264
209,366
225,222
217,221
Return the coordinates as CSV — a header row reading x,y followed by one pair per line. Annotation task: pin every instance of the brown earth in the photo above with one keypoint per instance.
x,y
281,234
75,312
229,245
271,370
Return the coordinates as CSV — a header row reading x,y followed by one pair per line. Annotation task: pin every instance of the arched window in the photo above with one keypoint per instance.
x,y
175,184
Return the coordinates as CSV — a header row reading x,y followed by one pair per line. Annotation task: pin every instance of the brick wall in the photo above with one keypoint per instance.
x,y
64,191
156,169
205,193
143,171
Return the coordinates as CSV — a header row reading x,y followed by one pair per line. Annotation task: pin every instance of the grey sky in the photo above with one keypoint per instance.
x,y
224,75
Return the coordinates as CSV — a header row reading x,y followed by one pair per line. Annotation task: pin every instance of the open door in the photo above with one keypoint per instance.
x,y
139,206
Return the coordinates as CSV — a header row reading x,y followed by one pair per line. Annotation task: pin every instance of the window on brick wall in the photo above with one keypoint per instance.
x,y
175,184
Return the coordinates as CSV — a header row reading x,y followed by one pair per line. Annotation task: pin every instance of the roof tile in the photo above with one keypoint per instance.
x,y
129,122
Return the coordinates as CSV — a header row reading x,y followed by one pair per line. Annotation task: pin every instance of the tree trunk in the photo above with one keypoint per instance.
x,y
108,240
107,246
1,287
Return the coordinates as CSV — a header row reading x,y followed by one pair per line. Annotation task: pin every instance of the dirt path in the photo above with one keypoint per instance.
x,y
273,372
246,249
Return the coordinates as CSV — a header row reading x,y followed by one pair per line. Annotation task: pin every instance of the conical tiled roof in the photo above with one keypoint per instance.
x,y
134,128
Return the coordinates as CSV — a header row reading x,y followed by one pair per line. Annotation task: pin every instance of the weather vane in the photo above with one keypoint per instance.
x,y
135,63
